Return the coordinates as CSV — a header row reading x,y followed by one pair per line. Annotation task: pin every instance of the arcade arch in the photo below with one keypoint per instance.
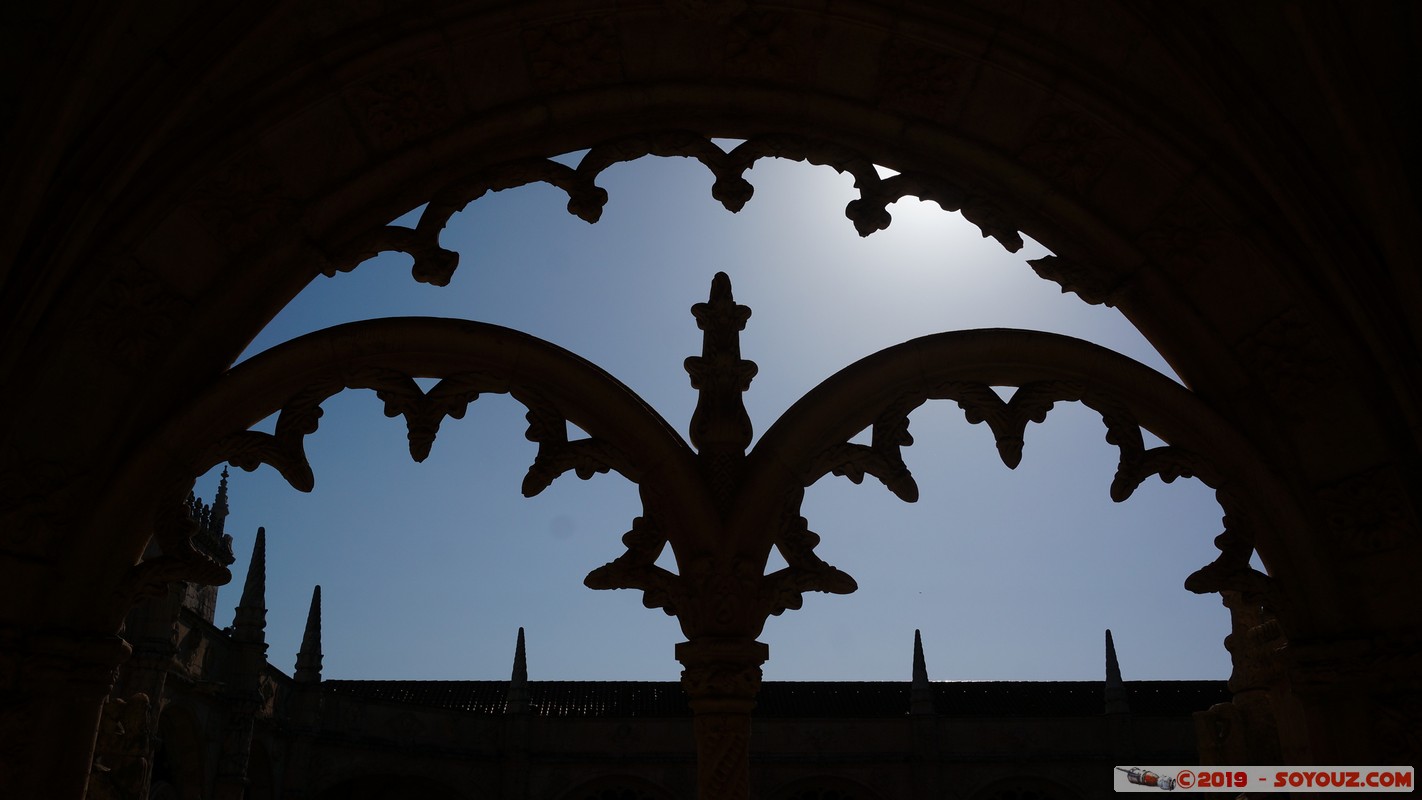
x,y
1128,142
664,310
433,263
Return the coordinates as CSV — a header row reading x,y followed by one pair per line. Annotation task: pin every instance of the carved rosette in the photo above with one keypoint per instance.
x,y
574,53
1187,236
1069,148
1289,357
402,105
1370,513
762,43
918,79
244,201
136,313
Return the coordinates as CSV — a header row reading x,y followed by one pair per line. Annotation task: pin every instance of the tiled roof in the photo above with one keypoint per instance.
x,y
797,698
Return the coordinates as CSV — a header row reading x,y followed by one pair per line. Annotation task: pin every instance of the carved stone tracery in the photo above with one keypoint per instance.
x,y
435,264
718,507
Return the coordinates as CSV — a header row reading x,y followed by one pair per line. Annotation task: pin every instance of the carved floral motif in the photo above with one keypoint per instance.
x,y
1370,513
243,201
1288,356
1069,148
761,43
918,79
403,105
137,312
575,53
1186,236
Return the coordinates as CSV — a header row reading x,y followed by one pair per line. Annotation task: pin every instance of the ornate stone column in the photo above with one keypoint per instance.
x,y
722,678
123,754
52,688
1245,730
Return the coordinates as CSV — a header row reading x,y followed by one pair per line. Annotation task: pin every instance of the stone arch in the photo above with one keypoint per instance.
x,y
385,355
1233,232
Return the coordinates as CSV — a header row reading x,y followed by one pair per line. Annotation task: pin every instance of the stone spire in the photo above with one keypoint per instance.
x,y
218,519
517,700
920,693
209,537
308,660
1115,687
250,623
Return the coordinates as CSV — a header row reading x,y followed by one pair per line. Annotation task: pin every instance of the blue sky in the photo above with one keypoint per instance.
x,y
427,570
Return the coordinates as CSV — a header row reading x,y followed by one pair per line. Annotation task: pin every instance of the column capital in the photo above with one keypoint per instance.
x,y
722,675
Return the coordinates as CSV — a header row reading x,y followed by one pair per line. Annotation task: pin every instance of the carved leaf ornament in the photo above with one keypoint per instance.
x,y
719,507
435,264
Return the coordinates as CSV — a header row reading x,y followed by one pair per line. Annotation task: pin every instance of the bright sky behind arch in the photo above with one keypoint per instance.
x,y
427,570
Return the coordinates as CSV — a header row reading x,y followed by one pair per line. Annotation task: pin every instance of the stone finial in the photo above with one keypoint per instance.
x,y
1115,687
308,659
218,519
517,700
720,424
250,622
921,692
